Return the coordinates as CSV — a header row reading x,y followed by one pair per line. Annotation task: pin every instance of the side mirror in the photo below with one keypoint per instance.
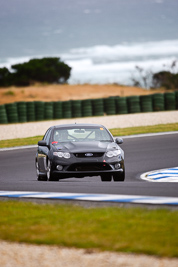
x,y
42,143
119,140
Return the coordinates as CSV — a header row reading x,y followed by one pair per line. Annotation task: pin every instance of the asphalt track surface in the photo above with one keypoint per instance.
x,y
142,154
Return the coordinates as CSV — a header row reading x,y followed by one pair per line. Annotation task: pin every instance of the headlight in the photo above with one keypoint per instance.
x,y
113,153
65,155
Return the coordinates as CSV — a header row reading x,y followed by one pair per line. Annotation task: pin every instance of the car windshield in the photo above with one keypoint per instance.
x,y
82,134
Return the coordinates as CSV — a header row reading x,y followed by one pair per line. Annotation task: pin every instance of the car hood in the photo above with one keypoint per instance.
x,y
96,146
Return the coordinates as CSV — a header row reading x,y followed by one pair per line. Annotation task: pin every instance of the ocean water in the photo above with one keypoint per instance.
x,y
102,40
117,64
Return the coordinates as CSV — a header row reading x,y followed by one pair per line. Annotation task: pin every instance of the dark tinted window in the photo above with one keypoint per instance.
x,y
47,135
81,134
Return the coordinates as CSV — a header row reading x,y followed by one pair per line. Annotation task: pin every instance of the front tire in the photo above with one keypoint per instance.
x,y
49,174
39,177
106,177
117,177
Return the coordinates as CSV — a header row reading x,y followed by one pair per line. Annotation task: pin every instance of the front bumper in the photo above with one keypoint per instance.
x,y
87,168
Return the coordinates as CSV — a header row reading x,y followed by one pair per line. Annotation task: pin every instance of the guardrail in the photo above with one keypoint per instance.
x,y
39,110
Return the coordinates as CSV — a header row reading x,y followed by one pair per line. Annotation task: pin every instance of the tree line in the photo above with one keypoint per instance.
x,y
45,70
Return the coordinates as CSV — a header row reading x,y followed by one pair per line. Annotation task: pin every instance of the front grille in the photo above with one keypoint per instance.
x,y
89,167
89,154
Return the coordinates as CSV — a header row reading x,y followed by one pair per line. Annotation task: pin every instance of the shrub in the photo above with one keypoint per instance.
x,y
48,70
4,76
166,79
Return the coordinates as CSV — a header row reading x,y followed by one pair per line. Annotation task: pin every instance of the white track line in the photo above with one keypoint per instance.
x,y
148,134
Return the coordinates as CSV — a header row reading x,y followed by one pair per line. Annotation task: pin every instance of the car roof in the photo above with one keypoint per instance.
x,y
77,125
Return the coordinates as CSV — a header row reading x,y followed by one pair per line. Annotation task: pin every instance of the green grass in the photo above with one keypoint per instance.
x,y
115,132
136,230
145,129
20,141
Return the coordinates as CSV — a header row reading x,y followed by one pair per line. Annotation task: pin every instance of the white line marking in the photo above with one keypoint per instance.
x,y
17,147
148,135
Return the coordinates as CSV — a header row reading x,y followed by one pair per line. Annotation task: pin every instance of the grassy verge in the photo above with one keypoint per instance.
x,y
115,132
145,129
20,141
134,230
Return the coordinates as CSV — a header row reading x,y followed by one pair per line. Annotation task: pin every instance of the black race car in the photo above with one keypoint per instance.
x,y
79,150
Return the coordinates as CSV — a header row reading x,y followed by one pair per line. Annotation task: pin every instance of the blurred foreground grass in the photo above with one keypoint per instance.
x,y
137,230
115,132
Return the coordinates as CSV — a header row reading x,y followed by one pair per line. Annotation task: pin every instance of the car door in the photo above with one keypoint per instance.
x,y
43,152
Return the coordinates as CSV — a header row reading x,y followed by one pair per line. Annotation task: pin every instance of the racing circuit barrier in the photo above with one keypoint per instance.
x,y
39,110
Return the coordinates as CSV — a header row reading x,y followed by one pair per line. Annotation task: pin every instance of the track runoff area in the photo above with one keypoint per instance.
x,y
163,175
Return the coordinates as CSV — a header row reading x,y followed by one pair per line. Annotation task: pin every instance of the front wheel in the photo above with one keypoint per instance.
x,y
39,177
119,177
49,174
106,177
